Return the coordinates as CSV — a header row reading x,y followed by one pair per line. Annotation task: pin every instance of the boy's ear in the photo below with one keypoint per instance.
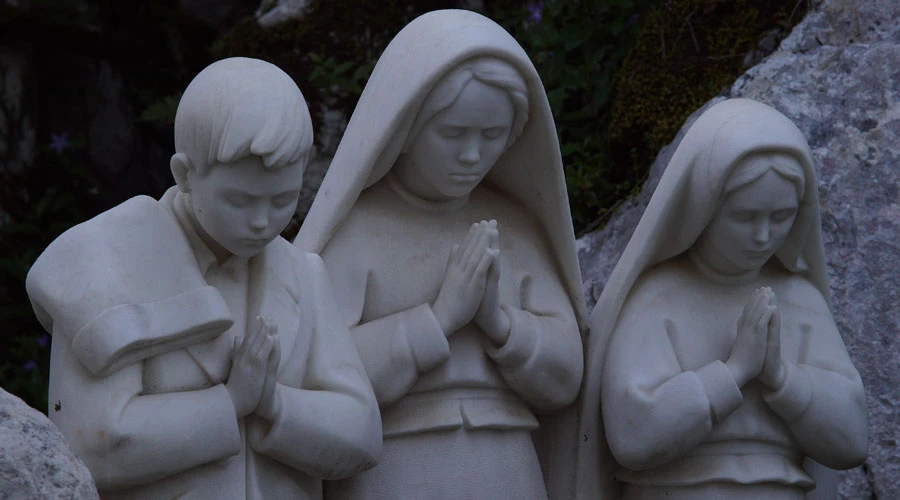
x,y
181,166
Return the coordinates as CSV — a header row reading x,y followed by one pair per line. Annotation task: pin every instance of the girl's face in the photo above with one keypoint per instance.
x,y
459,145
751,226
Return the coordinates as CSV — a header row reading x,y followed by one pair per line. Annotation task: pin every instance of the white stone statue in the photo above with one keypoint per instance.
x,y
713,357
196,353
444,223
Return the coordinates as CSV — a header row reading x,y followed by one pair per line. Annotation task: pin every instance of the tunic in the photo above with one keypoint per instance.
x,y
388,260
677,421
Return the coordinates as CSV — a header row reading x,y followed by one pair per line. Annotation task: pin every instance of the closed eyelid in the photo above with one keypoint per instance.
x,y
238,196
493,132
784,213
452,131
285,198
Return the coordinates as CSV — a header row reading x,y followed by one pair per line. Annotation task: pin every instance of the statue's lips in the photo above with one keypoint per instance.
x,y
465,177
254,241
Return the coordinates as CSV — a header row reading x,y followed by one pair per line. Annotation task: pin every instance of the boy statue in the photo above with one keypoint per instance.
x,y
196,353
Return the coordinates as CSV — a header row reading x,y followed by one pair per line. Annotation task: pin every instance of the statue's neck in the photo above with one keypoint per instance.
x,y
411,198
708,269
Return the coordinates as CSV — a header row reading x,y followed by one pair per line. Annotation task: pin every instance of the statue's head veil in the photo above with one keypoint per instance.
x,y
429,47
686,200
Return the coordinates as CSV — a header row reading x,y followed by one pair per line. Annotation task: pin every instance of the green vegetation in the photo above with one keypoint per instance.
x,y
688,52
577,48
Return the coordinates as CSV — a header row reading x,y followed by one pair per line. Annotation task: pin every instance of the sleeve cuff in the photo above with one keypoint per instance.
x,y
722,391
792,399
520,344
339,435
261,431
229,437
128,333
426,339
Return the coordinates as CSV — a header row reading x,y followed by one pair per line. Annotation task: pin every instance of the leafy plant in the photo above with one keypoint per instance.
x,y
38,203
577,48
162,111
688,52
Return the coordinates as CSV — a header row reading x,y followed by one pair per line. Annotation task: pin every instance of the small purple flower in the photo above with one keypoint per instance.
x,y
43,340
59,142
29,365
535,9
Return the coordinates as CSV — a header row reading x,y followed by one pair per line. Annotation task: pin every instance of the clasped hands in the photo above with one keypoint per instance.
x,y
254,370
471,286
757,348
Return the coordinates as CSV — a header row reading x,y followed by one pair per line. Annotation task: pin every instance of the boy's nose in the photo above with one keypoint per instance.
x,y
260,220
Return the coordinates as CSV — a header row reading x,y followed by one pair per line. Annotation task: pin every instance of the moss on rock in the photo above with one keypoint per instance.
x,y
688,52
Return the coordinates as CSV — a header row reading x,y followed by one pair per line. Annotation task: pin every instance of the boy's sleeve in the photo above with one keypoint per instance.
x,y
328,424
128,439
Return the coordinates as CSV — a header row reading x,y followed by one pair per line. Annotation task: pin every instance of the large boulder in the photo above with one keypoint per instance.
x,y
837,76
35,461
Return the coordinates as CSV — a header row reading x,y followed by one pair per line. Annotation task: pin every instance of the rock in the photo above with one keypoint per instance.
x,y
35,461
837,76
272,12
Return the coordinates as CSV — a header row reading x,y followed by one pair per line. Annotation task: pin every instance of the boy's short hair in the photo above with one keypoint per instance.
x,y
238,107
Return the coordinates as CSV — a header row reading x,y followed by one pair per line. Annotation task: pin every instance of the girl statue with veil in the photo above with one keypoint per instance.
x,y
713,358
444,224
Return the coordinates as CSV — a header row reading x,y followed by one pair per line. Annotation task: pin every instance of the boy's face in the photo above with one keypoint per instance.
x,y
242,205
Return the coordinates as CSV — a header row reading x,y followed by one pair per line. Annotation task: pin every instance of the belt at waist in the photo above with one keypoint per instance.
x,y
738,461
482,408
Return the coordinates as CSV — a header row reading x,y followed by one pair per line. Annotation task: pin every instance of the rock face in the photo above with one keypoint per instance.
x,y
272,12
837,76
35,461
